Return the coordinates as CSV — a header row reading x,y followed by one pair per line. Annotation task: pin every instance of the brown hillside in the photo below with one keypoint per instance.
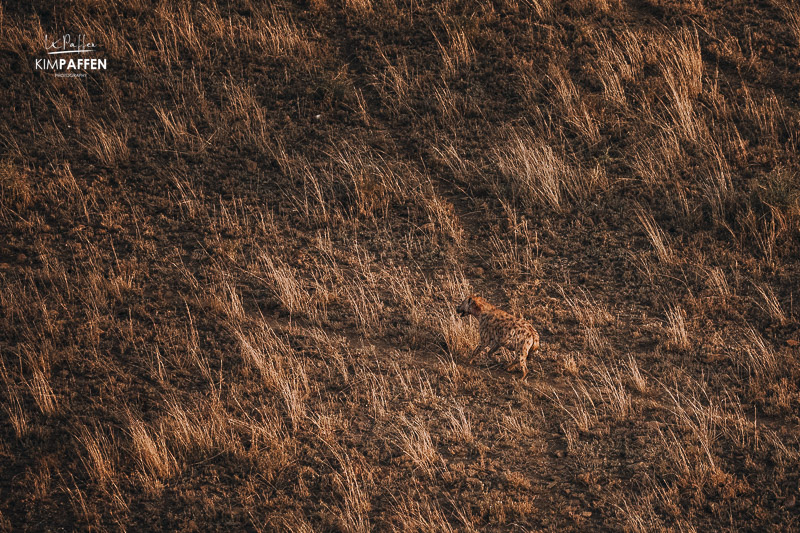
x,y
230,264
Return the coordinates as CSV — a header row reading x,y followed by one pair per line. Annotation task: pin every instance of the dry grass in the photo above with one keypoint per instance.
x,y
458,53
99,449
638,380
678,334
415,442
154,459
770,304
583,412
460,336
656,236
572,104
618,400
540,176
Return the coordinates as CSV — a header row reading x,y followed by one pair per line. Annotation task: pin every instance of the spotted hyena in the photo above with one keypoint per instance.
x,y
498,328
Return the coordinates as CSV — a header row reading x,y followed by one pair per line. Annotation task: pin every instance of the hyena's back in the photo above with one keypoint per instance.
x,y
498,328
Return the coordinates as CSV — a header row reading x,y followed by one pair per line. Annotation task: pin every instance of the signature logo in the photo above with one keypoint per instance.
x,y
70,66
65,45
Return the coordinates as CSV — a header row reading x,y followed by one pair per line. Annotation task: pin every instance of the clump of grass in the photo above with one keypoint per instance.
x,y
99,449
360,8
571,365
583,412
354,510
395,82
770,305
108,144
42,392
765,112
16,414
591,316
718,282
16,187
756,355
460,336
678,334
682,62
367,307
656,236
618,63
792,15
278,35
372,183
516,253
539,175
442,217
541,8
286,285
693,456
635,376
418,512
461,167
618,400
458,53
572,104
414,440
155,461
262,349
460,425
718,187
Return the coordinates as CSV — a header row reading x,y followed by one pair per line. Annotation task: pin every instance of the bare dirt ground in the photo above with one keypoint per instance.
x,y
230,264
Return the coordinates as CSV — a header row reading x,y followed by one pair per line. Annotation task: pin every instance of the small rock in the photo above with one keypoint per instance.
x,y
586,514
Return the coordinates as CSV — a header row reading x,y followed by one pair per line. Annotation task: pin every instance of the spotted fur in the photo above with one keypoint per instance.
x,y
498,328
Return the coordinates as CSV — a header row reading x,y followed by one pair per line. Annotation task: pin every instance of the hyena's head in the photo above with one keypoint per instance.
x,y
470,306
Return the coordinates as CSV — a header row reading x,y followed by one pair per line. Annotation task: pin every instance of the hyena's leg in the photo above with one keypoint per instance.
x,y
526,353
478,350
492,348
522,363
